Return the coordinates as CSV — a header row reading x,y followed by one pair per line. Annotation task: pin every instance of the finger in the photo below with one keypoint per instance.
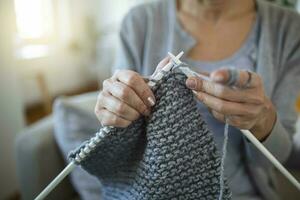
x,y
136,82
108,118
161,64
226,107
226,92
118,107
194,83
220,117
236,121
126,94
243,78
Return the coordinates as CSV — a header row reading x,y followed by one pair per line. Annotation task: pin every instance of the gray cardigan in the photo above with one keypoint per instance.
x,y
150,30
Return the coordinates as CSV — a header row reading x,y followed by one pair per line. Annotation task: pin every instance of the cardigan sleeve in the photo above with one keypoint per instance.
x,y
284,99
280,140
279,63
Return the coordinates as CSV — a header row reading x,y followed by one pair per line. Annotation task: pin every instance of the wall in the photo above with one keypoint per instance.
x,y
94,26
11,119
63,73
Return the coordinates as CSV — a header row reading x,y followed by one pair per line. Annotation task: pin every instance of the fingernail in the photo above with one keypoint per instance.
x,y
191,83
151,101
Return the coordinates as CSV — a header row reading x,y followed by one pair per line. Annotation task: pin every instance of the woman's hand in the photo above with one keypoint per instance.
x,y
125,96
244,106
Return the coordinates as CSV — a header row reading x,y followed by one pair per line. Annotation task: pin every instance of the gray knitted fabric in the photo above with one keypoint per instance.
x,y
170,155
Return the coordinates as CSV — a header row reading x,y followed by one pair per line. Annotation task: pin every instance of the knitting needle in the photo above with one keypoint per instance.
x,y
175,61
68,169
187,71
271,158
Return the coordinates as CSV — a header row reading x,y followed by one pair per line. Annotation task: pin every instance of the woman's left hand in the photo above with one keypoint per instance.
x,y
244,106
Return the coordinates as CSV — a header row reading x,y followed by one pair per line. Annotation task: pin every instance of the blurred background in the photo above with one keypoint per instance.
x,y
50,48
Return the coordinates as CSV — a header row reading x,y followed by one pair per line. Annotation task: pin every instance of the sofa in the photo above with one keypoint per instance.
x,y
39,159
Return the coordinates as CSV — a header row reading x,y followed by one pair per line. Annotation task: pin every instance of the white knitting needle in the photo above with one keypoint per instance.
x,y
271,158
247,133
175,61
68,169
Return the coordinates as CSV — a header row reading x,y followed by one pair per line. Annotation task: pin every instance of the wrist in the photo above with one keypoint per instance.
x,y
266,123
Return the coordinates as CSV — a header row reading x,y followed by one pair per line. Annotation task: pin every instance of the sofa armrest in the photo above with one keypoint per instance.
x,y
39,161
85,101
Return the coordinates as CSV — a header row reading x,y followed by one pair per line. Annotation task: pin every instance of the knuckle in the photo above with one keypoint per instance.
x,y
125,124
217,115
105,83
100,97
249,112
120,108
96,110
110,120
141,107
257,100
202,98
221,107
133,78
124,93
136,115
203,86
235,122
99,114
220,91
114,120
145,93
209,86
264,108
100,101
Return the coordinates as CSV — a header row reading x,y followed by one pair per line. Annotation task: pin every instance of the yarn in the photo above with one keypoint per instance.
x,y
170,155
224,152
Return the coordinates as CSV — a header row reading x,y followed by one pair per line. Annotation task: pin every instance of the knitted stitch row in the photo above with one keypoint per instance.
x,y
170,155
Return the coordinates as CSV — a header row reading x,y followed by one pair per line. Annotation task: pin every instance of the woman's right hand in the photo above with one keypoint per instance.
x,y
125,96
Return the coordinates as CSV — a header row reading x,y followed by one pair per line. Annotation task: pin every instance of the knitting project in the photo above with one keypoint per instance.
x,y
169,155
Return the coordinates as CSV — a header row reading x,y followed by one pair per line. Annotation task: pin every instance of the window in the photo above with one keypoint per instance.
x,y
34,18
35,27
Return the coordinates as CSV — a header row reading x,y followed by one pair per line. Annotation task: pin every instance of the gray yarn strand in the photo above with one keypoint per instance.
x,y
224,152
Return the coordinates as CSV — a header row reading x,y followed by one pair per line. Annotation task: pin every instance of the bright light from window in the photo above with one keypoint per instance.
x,y
34,18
